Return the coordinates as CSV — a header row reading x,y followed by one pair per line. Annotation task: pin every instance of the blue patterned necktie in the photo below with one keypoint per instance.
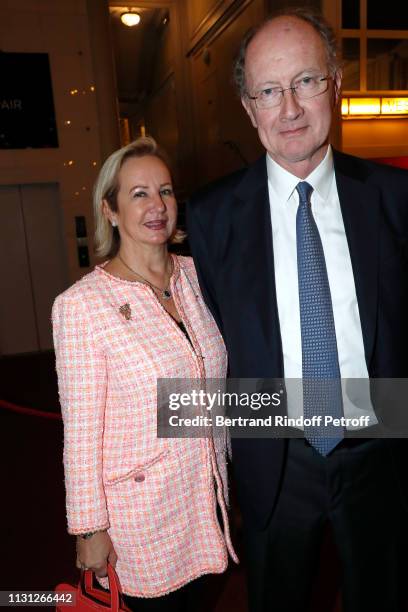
x,y
320,363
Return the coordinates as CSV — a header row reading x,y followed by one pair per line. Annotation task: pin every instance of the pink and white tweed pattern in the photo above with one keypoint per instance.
x,y
157,497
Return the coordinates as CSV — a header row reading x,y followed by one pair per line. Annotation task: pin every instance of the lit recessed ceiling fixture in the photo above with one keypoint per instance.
x,y
130,18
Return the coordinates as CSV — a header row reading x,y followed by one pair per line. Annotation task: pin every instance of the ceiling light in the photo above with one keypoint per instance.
x,y
130,18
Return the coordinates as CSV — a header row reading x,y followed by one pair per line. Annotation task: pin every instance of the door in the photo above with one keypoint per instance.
x,y
32,266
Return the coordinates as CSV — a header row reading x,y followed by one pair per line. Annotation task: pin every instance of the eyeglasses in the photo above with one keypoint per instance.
x,y
304,88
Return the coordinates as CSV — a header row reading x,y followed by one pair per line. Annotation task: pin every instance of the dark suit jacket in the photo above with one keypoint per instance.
x,y
230,233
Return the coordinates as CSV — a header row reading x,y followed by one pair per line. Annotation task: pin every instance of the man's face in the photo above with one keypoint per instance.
x,y
295,133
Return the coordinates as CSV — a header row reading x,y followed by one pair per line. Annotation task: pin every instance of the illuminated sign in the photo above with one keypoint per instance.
x,y
373,107
394,106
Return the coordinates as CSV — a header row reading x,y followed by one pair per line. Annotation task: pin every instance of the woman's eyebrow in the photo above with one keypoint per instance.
x,y
138,187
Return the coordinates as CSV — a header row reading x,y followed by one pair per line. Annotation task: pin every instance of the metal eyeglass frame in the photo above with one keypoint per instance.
x,y
293,89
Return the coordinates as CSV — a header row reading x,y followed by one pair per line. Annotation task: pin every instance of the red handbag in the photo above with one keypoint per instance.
x,y
86,598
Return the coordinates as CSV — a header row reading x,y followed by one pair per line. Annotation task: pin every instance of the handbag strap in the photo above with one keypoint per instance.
x,y
115,589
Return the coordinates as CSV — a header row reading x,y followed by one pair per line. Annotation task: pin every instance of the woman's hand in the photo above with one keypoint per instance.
x,y
95,552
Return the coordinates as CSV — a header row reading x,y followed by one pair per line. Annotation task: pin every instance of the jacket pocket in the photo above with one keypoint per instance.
x,y
148,503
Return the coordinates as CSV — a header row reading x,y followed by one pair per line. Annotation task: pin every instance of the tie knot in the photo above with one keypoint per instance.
x,y
305,191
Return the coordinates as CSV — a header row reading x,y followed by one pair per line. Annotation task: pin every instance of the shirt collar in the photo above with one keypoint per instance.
x,y
284,183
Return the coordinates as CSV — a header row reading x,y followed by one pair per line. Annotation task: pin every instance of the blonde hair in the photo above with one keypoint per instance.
x,y
107,239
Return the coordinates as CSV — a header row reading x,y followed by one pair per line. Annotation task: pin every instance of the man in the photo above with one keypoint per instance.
x,y
302,258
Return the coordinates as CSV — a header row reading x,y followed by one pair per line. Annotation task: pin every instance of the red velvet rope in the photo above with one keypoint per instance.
x,y
29,411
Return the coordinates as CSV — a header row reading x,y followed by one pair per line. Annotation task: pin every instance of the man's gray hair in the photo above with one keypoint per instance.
x,y
315,19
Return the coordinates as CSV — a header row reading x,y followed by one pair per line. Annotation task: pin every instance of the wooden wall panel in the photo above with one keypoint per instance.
x,y
209,128
199,10
202,15
165,60
225,138
275,5
161,115
162,123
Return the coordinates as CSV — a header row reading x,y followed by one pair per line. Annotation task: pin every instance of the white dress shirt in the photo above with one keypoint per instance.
x,y
284,201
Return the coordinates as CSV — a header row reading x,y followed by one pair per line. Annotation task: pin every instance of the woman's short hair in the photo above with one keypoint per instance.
x,y
107,239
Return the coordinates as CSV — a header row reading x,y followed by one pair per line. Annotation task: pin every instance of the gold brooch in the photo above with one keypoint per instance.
x,y
125,311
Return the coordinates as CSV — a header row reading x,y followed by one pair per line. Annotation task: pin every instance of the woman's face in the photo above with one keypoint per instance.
x,y
147,208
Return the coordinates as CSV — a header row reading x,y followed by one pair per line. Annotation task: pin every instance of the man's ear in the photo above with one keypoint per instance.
x,y
246,103
338,77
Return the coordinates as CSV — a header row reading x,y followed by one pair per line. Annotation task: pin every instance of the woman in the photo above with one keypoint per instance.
x,y
146,504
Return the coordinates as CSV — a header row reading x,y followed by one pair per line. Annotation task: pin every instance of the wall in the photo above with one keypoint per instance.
x,y
375,137
371,137
161,113
65,31
224,137
193,110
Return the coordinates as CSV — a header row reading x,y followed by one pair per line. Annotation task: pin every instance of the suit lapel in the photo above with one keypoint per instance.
x,y
360,206
252,223
252,236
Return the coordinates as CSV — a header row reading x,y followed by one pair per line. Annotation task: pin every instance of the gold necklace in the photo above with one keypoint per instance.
x,y
165,293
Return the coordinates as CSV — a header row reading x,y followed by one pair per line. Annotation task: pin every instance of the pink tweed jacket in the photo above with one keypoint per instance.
x,y
157,497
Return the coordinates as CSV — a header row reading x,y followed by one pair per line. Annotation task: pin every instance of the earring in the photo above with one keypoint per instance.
x,y
114,223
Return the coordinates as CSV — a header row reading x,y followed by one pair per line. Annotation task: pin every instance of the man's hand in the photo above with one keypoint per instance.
x,y
95,552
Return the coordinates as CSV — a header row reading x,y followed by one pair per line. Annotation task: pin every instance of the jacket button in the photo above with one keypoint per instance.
x,y
139,477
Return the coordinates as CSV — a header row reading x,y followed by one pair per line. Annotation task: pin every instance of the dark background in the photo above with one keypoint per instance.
x,y
27,116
